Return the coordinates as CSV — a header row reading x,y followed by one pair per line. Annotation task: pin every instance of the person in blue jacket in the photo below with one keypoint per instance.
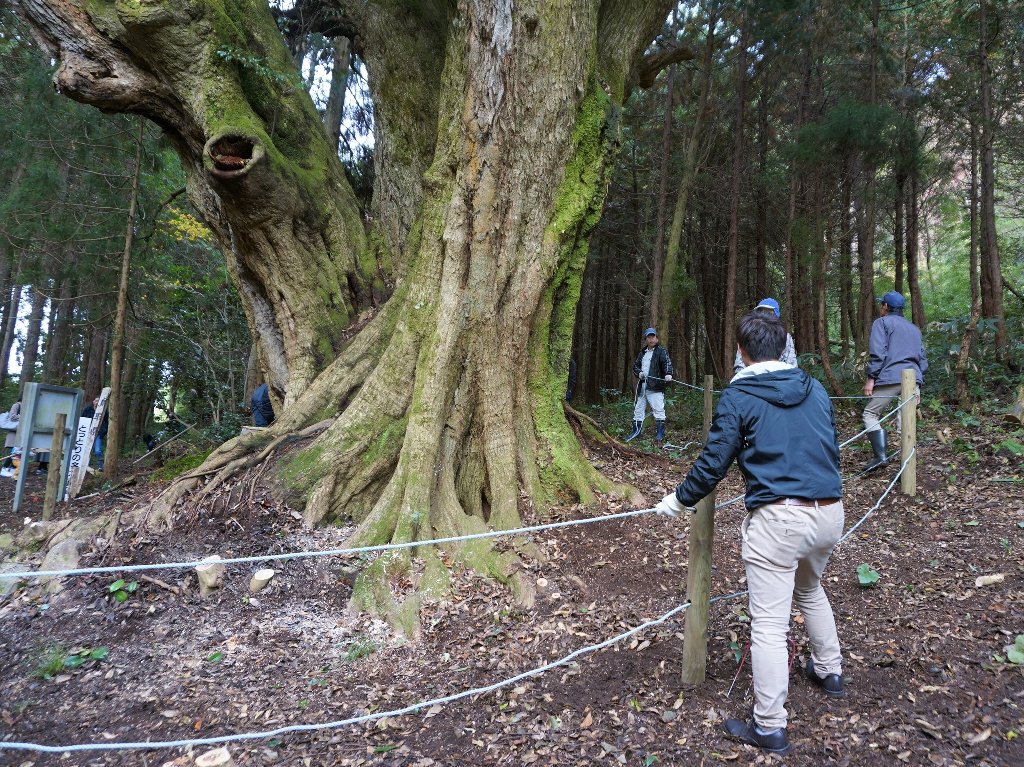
x,y
262,410
895,345
777,422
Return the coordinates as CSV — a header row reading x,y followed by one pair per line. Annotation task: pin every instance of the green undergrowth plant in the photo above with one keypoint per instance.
x,y
360,648
55,659
121,589
179,465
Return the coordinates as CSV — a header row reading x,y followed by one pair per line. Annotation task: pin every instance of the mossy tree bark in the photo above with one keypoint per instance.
x,y
495,134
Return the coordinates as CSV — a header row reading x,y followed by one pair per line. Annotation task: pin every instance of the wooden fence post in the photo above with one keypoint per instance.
x,y
698,571
55,465
908,437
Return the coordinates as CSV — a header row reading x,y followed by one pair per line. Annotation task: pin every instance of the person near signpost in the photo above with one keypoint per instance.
x,y
101,435
652,369
11,419
895,345
778,423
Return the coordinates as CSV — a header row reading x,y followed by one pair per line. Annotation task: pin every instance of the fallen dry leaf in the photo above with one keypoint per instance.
x,y
980,737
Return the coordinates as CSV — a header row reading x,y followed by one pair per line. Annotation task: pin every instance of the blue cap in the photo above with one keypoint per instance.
x,y
893,299
650,332
769,303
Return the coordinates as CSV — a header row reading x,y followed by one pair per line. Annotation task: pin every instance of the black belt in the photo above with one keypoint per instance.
x,y
811,502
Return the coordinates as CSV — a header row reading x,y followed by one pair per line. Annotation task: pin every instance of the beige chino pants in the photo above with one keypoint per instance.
x,y
785,550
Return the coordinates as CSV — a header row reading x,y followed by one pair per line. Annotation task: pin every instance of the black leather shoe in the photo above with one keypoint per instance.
x,y
773,743
831,685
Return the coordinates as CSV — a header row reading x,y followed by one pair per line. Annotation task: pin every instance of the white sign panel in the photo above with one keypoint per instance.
x,y
79,456
76,476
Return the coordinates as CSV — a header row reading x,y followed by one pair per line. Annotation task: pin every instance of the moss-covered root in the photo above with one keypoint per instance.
x,y
378,584
377,590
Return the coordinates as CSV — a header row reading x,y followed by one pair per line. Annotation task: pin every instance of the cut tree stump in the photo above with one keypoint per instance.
x,y
211,575
260,579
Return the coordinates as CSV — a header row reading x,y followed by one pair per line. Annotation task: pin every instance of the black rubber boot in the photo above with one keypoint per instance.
x,y
660,436
831,685
877,440
638,426
774,742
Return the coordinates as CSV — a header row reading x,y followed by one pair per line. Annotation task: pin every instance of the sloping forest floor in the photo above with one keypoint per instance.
x,y
928,679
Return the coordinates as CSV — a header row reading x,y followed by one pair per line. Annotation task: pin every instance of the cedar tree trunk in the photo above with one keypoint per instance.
x,y
494,136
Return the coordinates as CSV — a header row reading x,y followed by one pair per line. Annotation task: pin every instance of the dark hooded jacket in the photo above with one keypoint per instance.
x,y
780,427
661,366
262,410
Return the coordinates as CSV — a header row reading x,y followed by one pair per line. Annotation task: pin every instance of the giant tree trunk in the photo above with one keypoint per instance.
x,y
448,403
258,162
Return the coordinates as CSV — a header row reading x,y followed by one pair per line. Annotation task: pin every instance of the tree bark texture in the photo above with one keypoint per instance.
x,y
991,272
449,401
32,333
672,295
654,305
116,408
971,331
913,238
728,349
220,82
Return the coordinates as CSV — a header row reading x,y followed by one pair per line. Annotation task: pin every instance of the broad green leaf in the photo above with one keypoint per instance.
x,y
867,575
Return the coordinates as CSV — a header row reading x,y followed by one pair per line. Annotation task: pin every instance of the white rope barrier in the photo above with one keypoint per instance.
x,y
325,553
416,707
881,498
881,420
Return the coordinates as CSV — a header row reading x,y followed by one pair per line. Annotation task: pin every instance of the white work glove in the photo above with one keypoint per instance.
x,y
642,376
669,506
668,378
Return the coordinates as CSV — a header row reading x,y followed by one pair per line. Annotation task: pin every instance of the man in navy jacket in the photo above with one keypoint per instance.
x,y
777,422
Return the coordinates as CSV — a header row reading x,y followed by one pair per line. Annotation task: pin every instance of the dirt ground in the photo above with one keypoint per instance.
x,y
926,671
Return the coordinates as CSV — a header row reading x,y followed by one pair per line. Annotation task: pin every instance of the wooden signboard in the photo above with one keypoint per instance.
x,y
86,432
